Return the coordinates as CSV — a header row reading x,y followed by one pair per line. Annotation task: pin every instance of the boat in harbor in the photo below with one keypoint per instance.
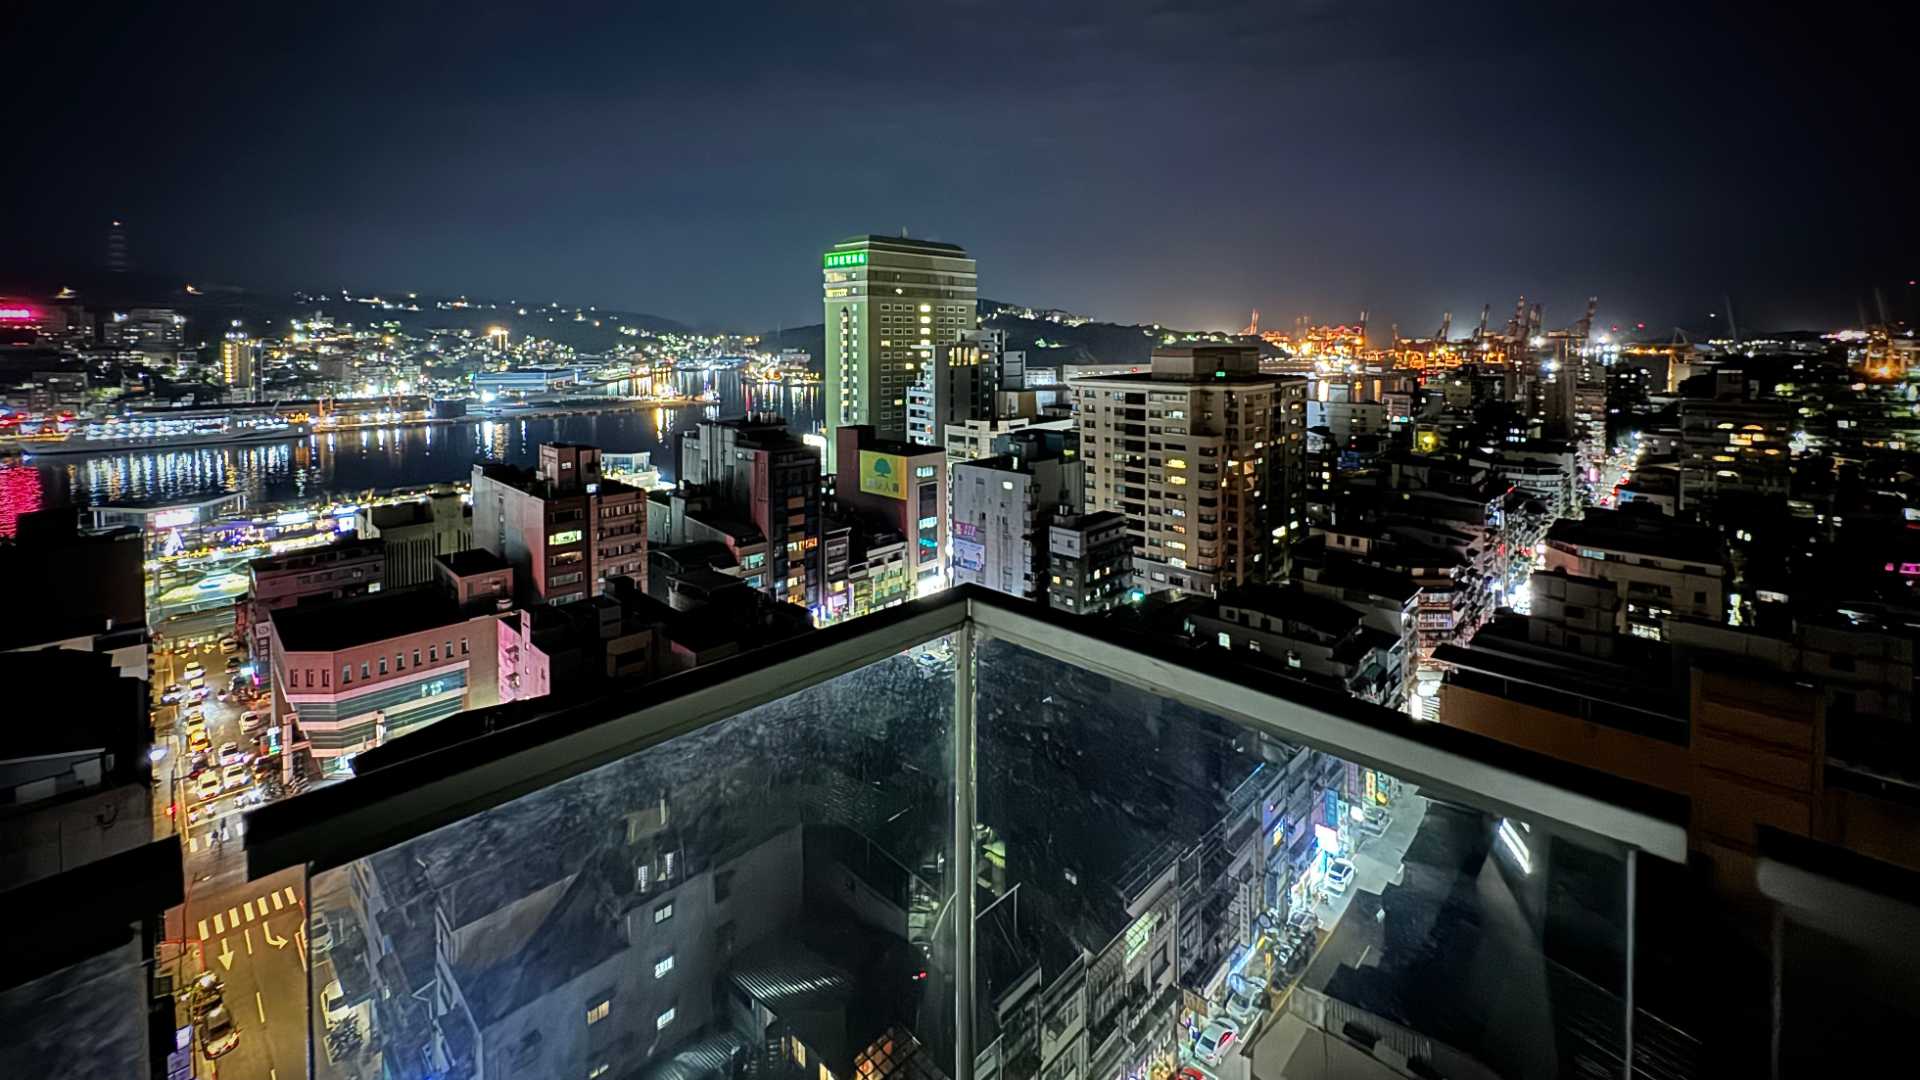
x,y
792,367
145,432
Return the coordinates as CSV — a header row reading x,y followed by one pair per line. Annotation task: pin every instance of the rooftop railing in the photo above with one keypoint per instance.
x,y
846,854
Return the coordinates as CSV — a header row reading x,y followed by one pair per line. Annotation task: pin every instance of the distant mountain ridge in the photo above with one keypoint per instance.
x,y
1047,343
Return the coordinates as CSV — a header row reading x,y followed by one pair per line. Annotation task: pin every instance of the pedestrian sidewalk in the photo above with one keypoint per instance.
x,y
1378,862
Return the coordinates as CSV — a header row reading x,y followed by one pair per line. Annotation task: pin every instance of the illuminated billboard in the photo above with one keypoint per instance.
x,y
883,474
569,536
845,258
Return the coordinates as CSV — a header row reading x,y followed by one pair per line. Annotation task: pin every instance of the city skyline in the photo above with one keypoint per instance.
x,y
1166,540
686,167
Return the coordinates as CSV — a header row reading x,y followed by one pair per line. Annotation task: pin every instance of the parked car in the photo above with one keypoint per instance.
x,y
230,644
1374,821
218,1032
1339,876
1304,921
319,934
1215,1041
204,993
1246,1003
333,1002
251,722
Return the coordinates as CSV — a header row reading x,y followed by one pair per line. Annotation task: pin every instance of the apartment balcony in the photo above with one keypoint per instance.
x,y
868,838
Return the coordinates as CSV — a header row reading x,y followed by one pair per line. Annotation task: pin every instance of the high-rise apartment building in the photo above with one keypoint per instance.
x,y
1205,455
890,302
768,476
1089,562
964,382
239,365
1003,507
564,528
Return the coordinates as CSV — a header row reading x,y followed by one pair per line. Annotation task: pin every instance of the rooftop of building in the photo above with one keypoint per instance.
x,y
1351,574
472,561
531,482
1641,533
339,551
899,243
1636,689
1293,604
1087,522
412,512
361,620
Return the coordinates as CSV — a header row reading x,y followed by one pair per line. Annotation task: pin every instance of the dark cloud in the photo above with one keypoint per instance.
x,y
1173,161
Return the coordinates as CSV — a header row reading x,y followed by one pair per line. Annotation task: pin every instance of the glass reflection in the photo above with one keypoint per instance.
x,y
768,894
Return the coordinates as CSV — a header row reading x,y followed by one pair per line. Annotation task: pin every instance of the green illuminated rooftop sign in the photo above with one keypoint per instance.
x,y
845,258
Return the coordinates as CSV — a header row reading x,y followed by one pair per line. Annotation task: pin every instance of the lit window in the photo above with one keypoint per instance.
x,y
1226,640
660,1022
662,966
662,913
599,1012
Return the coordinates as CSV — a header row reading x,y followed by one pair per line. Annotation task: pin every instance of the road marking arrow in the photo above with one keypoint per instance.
x,y
226,955
249,932
272,939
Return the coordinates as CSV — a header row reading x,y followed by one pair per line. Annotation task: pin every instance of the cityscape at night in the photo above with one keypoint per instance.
x,y
1145,541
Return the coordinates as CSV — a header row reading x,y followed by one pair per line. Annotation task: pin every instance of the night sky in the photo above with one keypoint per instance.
x,y
1179,162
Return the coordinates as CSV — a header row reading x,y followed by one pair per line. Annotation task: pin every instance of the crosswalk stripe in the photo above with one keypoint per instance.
x,y
203,929
218,926
291,898
277,902
262,905
193,842
249,910
233,917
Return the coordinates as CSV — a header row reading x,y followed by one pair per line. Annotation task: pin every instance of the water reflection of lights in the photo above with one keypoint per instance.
x,y
20,493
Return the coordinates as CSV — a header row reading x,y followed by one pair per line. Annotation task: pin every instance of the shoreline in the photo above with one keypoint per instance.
x,y
32,449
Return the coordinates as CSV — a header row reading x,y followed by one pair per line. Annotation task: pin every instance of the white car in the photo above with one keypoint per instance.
x,y
193,671
1244,1004
333,1002
234,775
1339,876
319,934
208,785
1216,1040
251,722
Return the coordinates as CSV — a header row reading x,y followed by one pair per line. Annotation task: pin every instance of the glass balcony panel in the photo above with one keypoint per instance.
x,y
1151,898
766,895
86,1019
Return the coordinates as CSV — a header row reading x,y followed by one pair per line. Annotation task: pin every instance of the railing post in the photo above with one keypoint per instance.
x,y
964,871
1633,876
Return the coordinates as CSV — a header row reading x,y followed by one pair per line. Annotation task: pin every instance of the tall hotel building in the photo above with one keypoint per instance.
x,y
1204,455
890,302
